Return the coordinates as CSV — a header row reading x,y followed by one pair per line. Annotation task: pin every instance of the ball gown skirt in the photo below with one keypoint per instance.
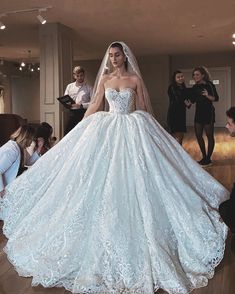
x,y
117,206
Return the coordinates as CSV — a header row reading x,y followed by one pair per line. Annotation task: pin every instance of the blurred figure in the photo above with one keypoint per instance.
x,y
230,125
81,93
176,117
227,208
205,94
13,155
43,142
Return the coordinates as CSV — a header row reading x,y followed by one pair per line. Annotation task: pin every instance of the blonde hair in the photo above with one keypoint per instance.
x,y
23,136
78,69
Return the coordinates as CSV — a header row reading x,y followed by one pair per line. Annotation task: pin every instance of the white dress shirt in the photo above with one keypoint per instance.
x,y
81,94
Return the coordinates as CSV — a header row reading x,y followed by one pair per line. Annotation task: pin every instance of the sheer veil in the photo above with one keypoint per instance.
x,y
132,68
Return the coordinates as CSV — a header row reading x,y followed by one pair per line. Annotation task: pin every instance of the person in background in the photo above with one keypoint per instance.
x,y
81,93
205,94
176,117
43,142
227,208
13,156
121,183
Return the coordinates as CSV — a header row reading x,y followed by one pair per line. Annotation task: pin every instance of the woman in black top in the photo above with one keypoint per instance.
x,y
176,117
205,93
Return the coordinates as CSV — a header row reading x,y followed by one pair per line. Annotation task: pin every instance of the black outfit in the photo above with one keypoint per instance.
x,y
205,118
76,115
227,211
205,111
176,117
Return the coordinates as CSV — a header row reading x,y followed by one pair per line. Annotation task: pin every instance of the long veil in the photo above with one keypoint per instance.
x,y
132,67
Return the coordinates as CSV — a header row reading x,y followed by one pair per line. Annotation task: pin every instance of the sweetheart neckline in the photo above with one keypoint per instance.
x,y
121,90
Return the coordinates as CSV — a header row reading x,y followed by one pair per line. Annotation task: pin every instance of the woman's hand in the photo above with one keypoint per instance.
x,y
205,93
40,145
209,97
2,193
75,106
188,103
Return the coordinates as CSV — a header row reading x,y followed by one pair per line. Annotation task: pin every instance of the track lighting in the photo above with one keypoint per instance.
x,y
39,10
41,19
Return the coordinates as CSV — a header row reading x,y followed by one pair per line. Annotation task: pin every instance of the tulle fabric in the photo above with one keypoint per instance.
x,y
117,206
132,68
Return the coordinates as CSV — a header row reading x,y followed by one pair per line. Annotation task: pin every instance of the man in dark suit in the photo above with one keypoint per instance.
x,y
227,208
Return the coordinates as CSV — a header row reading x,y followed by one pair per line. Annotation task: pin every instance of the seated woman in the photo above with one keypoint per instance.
x,y
44,136
43,142
13,155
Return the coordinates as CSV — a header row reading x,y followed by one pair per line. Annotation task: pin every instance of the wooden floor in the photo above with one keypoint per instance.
x,y
223,169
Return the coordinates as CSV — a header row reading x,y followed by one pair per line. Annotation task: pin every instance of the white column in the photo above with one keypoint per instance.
x,y
56,63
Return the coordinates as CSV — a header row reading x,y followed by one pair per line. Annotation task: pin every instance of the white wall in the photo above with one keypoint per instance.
x,y
209,60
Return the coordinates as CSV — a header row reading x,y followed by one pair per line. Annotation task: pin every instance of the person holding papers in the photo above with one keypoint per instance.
x,y
81,93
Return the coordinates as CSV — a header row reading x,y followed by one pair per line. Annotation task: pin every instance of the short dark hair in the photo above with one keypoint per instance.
x,y
231,113
44,131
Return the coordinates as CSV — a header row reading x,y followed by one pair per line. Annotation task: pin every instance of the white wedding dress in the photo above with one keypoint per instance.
x,y
117,206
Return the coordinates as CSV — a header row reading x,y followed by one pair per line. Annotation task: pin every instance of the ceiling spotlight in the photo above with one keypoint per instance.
x,y
41,19
22,64
234,43
234,36
2,26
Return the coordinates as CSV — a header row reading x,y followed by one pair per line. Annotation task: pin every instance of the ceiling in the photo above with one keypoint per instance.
x,y
149,27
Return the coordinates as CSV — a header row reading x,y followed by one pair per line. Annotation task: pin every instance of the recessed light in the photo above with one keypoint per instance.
x,y
2,26
234,35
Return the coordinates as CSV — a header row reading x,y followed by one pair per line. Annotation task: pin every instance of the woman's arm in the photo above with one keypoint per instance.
x,y
211,93
97,99
171,94
140,96
8,157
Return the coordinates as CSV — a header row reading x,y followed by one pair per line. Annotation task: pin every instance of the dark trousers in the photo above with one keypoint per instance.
x,y
227,211
76,115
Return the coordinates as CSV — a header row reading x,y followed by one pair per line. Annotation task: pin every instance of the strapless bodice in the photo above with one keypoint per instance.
x,y
122,101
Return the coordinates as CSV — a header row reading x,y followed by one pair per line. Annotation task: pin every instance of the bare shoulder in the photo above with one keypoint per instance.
x,y
134,77
105,78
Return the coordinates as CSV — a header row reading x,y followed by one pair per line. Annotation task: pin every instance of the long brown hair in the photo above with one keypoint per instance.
x,y
23,136
204,71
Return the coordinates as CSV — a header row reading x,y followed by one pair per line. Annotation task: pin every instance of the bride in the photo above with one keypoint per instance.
x,y
119,206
